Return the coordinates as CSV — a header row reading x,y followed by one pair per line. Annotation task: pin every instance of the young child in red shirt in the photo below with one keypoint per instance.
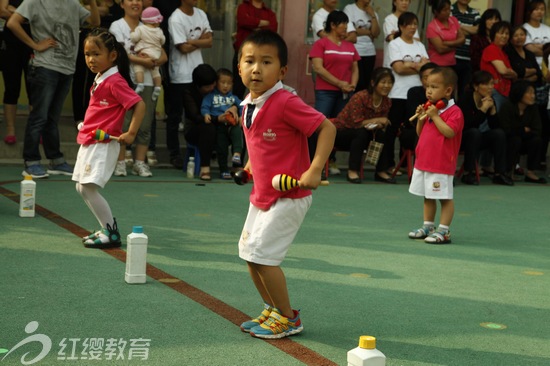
x,y
436,154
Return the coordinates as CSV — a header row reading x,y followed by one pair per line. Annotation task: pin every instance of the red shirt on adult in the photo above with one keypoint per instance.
x,y
494,53
337,59
445,33
248,20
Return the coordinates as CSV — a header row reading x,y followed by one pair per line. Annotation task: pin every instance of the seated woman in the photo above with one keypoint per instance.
x,y
481,130
196,131
519,118
366,114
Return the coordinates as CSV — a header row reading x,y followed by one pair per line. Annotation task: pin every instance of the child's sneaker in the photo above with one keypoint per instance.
x,y
246,326
152,158
141,169
421,233
120,169
128,158
278,326
106,238
439,237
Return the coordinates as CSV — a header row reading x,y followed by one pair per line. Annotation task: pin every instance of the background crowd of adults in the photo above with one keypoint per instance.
x,y
502,72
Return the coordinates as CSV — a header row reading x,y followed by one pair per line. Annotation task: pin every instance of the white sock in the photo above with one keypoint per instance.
x,y
139,88
443,228
156,93
429,224
97,204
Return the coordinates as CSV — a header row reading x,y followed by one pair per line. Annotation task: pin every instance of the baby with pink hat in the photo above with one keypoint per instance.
x,y
148,39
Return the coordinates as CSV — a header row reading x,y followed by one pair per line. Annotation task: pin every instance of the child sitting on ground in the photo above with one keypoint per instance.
x,y
148,40
436,153
216,104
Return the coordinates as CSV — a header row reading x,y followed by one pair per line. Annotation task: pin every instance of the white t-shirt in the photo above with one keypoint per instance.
x,y
361,20
121,30
181,28
319,21
399,50
540,35
390,25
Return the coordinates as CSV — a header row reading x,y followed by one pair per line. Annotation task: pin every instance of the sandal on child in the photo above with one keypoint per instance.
x,y
92,236
439,237
107,238
421,233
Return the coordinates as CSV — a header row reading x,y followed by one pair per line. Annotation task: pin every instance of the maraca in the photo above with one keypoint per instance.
x,y
283,182
242,177
101,135
425,107
442,103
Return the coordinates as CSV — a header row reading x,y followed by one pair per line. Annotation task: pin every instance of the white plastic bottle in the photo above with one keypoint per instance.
x,y
366,354
136,256
27,197
191,167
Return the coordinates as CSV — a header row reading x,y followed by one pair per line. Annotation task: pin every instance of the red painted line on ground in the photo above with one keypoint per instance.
x,y
235,316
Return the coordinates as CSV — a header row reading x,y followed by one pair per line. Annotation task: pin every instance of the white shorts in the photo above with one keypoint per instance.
x,y
96,163
267,235
432,185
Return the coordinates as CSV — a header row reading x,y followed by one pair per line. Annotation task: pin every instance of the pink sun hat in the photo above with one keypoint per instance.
x,y
151,15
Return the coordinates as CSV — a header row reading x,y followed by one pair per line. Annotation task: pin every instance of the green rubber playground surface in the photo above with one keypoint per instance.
x,y
483,300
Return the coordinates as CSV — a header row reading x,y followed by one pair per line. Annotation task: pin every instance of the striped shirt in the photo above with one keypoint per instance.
x,y
470,17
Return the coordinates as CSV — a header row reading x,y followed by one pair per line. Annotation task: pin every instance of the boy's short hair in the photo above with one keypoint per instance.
x,y
203,75
448,74
427,66
224,72
267,38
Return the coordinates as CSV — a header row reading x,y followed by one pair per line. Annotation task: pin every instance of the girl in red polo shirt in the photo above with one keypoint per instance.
x,y
111,97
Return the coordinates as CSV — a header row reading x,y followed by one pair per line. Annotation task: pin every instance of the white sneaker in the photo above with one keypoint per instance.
x,y
120,169
333,169
128,158
141,169
151,158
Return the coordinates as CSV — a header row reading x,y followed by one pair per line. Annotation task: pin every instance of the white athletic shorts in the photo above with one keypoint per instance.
x,y
267,235
96,163
431,185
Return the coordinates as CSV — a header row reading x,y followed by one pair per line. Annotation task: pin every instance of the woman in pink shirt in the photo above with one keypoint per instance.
x,y
444,34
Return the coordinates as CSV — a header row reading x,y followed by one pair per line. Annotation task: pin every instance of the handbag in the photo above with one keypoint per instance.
x,y
374,150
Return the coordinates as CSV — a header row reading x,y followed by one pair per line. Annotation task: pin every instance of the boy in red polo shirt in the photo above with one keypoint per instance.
x,y
436,154
276,125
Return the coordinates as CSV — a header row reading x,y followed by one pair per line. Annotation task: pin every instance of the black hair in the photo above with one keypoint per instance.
x,y
267,38
481,77
335,17
531,6
545,53
427,66
377,75
516,28
438,5
105,39
487,14
518,90
224,72
203,75
497,27
449,75
404,20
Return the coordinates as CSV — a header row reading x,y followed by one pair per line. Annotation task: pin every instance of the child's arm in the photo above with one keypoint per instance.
x,y
441,125
139,111
325,142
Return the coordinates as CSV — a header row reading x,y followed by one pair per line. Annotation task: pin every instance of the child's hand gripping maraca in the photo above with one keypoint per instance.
x,y
422,112
442,103
283,182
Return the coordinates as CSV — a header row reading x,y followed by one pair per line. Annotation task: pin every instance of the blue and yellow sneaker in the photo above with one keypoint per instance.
x,y
278,326
246,326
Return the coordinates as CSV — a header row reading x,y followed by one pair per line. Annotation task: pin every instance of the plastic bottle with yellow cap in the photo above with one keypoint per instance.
x,y
366,354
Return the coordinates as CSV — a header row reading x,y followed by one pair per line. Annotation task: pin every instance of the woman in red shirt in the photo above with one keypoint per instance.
x,y
496,61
